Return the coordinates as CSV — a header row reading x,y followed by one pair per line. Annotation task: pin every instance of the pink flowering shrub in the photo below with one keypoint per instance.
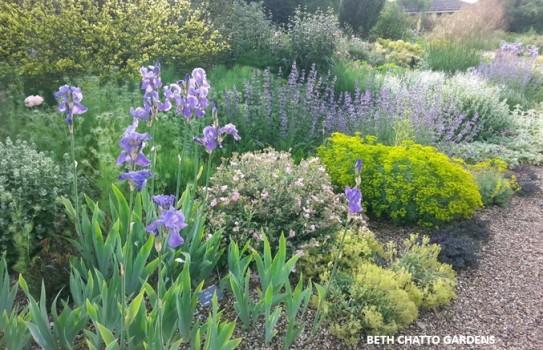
x,y
266,192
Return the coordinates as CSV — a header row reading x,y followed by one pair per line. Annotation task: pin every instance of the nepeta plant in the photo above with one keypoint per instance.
x,y
512,66
427,107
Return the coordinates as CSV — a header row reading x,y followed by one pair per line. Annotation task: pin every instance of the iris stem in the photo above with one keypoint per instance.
x,y
159,301
75,189
183,125
123,300
317,321
179,167
208,172
153,161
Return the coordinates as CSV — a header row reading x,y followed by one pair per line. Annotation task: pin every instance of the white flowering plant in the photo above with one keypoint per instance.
x,y
267,193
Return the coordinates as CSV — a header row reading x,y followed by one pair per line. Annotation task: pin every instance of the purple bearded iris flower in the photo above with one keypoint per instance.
x,y
213,134
358,164
69,98
150,84
209,140
173,221
164,201
190,95
354,198
151,77
136,179
132,144
142,113
358,171
230,129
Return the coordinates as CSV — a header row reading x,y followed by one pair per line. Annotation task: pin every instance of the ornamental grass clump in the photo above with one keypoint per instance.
x,y
410,184
266,192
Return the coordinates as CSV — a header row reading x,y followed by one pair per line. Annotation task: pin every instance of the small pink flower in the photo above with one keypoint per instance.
x,y
236,229
291,234
235,196
258,236
300,252
312,228
264,194
32,101
213,203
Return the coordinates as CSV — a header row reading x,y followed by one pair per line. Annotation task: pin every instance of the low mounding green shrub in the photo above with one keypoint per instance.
x,y
377,290
436,280
495,187
408,183
402,53
266,192
30,183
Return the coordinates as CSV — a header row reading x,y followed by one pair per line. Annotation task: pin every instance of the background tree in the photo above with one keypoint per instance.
x,y
522,15
393,23
280,10
360,15
313,5
420,6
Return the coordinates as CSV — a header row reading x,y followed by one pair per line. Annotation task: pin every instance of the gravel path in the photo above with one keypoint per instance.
x,y
501,300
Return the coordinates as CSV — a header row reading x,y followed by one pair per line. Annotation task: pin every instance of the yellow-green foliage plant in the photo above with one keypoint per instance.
x,y
495,186
402,53
435,280
409,183
376,289
49,38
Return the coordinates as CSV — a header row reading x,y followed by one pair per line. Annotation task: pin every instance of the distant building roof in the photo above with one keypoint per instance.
x,y
437,6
